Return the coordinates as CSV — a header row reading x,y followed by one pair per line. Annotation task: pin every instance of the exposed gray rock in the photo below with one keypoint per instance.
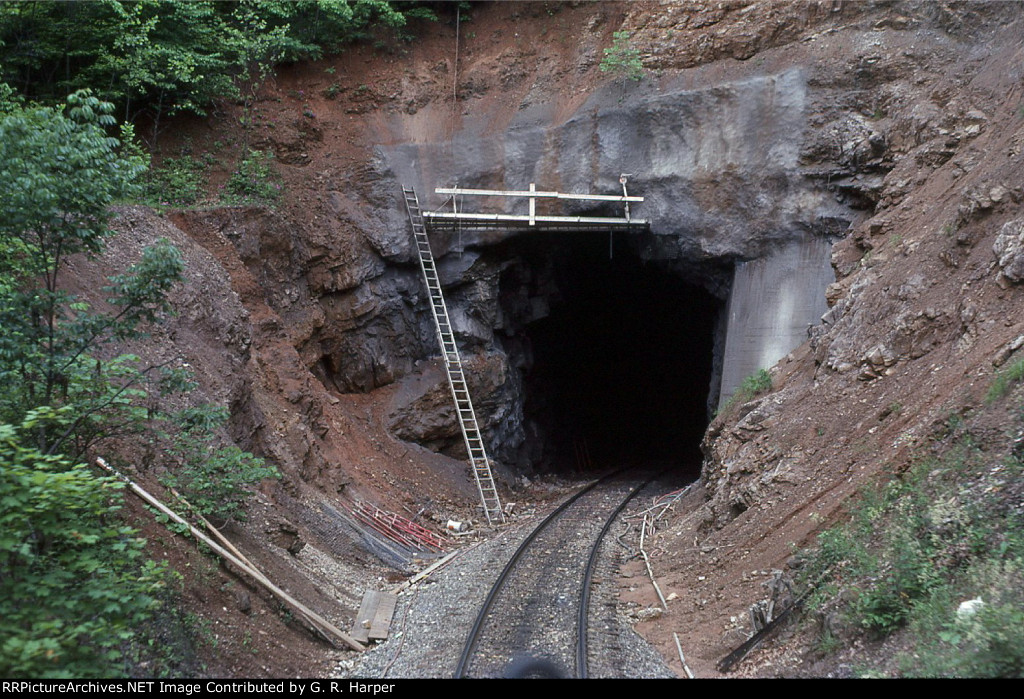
x,y
1009,250
735,161
422,409
1007,350
719,166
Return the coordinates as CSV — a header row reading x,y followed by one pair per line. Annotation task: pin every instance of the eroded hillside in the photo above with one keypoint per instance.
x,y
893,129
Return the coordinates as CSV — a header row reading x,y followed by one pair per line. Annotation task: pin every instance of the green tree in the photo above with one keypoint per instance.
x,y
157,58
623,59
169,57
60,173
74,585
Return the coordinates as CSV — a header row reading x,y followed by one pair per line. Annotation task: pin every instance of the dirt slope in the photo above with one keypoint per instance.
x,y
922,315
920,309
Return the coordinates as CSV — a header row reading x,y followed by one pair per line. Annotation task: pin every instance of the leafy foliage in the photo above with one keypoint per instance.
x,y
179,181
254,181
949,530
74,583
167,57
757,383
214,481
62,173
623,59
753,385
1005,380
988,642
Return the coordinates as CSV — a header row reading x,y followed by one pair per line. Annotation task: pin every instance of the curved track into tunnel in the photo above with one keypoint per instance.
x,y
538,606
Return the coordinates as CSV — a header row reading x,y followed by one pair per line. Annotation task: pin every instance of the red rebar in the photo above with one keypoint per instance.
x,y
396,527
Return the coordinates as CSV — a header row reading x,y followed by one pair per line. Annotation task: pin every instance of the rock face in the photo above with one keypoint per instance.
x,y
884,125
735,159
919,311
718,166
423,412
1009,250
722,168
756,125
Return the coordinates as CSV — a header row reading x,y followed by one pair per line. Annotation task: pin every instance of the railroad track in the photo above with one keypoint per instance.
x,y
538,609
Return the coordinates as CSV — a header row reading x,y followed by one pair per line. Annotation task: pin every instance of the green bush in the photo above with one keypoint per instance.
x,y
946,531
77,597
757,383
986,643
215,481
255,181
177,182
1005,380
754,385
908,575
623,59
74,582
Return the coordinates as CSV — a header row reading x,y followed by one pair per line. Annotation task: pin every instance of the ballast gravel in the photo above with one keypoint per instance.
x,y
433,619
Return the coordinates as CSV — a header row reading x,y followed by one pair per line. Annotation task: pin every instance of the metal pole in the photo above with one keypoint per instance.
x,y
622,180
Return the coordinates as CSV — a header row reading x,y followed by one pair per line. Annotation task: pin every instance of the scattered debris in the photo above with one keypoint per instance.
x,y
397,528
424,573
457,527
647,562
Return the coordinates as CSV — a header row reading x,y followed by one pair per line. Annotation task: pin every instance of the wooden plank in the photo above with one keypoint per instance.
x,y
381,625
532,194
364,619
424,573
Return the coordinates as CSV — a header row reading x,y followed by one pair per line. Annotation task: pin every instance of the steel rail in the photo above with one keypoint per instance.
x,y
584,613
475,633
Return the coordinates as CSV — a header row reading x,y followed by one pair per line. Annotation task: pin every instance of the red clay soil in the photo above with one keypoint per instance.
x,y
828,433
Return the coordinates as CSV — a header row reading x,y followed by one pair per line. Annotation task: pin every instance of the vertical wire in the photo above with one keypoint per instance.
x,y
455,73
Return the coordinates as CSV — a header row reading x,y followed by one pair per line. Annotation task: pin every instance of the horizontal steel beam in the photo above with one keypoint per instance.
x,y
536,195
512,218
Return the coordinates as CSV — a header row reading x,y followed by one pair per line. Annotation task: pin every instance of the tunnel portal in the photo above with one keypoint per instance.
x,y
618,371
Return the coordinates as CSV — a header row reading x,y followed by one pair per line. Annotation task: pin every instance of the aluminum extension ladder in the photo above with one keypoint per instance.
x,y
453,365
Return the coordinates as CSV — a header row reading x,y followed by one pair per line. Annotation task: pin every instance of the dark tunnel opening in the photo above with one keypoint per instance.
x,y
618,372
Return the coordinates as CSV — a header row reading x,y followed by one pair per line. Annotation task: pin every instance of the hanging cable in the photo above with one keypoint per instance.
x,y
458,221
455,74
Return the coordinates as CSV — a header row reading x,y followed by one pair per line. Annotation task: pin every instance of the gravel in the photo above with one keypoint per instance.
x,y
434,617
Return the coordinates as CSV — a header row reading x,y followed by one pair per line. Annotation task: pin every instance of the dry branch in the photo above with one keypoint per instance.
x,y
647,561
318,624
